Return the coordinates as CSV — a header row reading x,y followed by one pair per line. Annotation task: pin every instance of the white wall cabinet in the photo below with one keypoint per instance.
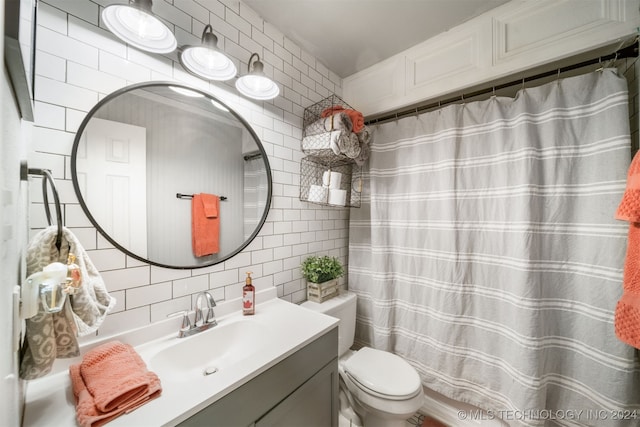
x,y
510,40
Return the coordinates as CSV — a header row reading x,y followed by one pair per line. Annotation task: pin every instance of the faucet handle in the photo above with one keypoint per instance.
x,y
186,324
211,318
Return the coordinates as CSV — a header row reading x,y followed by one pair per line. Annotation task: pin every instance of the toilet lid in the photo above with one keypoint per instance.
x,y
383,373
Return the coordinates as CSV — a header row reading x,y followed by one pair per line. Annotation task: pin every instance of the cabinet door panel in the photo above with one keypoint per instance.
x,y
313,404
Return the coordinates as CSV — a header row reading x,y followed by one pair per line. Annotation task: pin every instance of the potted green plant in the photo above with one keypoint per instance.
x,y
321,274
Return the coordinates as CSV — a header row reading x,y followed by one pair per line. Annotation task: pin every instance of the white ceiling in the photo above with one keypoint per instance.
x,y
347,36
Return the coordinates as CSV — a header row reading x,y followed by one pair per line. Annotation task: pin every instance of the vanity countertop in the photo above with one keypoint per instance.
x,y
50,401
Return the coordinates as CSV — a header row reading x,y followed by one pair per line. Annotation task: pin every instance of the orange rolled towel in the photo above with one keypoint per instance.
x,y
356,117
110,381
627,314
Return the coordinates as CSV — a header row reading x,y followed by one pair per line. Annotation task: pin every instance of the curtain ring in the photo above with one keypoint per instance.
x,y
493,95
523,83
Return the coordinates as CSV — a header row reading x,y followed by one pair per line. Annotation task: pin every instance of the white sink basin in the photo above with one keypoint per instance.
x,y
212,351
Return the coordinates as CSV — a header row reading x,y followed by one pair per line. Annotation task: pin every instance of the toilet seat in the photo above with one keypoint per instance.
x,y
383,374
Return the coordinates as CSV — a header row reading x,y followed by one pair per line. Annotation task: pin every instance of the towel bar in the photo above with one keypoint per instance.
x,y
190,196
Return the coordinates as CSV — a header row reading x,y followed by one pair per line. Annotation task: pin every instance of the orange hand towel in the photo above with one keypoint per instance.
x,y
356,117
205,224
110,377
627,314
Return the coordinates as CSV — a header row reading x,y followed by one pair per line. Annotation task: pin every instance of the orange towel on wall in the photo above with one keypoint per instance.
x,y
110,381
205,224
357,119
627,314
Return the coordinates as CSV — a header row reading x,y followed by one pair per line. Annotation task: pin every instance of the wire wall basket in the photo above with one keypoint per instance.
x,y
334,183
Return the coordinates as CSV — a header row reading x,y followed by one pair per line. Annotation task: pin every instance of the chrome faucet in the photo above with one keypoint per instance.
x,y
201,322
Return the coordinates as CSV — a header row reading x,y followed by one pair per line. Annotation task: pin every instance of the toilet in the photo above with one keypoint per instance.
x,y
381,387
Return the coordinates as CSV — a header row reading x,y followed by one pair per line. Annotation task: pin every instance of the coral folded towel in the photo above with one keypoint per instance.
x,y
356,117
627,315
110,381
205,224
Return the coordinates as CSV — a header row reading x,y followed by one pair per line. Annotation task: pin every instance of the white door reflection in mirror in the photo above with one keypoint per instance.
x,y
111,161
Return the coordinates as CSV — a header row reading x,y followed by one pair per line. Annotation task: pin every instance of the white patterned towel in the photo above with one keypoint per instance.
x,y
50,336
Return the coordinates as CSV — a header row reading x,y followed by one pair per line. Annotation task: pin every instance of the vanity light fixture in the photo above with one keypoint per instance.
x,y
207,60
256,84
136,25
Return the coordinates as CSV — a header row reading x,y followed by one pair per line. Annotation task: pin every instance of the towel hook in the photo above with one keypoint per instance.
x,y
48,178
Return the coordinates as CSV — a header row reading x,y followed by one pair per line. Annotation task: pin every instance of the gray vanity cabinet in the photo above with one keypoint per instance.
x,y
301,390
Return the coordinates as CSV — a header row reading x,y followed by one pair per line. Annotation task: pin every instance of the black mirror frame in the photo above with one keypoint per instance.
x,y
85,208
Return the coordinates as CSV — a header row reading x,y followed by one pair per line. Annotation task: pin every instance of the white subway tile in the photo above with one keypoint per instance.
x,y
282,252
50,66
95,36
218,295
191,285
126,320
108,259
87,10
239,260
52,18
49,116
264,282
156,63
74,119
116,280
272,241
232,291
223,278
52,141
221,27
193,9
281,52
160,310
161,274
117,66
58,93
252,17
272,267
75,217
299,226
88,78
292,47
291,239
145,295
300,249
172,14
65,47
253,47
121,299
86,236
264,255
103,243
293,286
235,20
282,227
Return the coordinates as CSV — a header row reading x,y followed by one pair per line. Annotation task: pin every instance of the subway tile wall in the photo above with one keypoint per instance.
x,y
78,62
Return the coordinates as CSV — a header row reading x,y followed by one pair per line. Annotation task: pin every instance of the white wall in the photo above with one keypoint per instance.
x,y
13,235
78,62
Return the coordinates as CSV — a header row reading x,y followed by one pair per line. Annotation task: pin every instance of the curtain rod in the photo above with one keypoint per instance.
x,y
630,51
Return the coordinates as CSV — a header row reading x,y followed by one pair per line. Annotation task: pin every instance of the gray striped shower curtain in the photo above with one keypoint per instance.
x,y
486,254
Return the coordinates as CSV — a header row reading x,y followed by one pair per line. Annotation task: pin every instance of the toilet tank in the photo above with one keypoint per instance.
x,y
342,307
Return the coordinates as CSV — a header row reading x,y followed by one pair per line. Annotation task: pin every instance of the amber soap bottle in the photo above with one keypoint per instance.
x,y
248,297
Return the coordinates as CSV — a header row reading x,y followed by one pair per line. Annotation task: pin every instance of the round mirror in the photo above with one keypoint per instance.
x,y
170,175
